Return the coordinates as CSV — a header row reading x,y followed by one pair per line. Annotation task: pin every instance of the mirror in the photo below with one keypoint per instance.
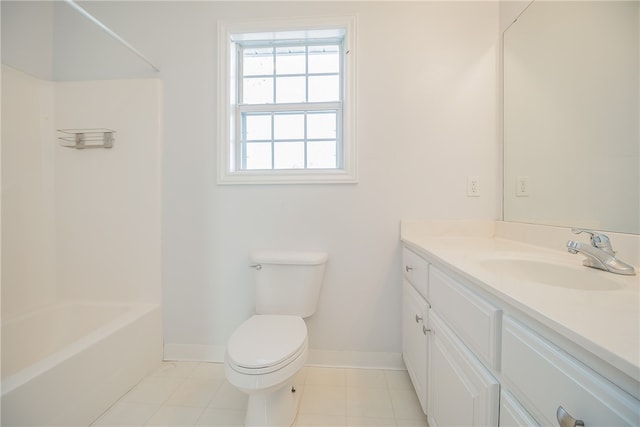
x,y
571,115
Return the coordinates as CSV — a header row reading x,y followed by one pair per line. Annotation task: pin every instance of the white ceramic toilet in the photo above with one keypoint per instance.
x,y
266,352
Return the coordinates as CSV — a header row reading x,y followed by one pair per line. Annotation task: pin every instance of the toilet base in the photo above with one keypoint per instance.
x,y
276,409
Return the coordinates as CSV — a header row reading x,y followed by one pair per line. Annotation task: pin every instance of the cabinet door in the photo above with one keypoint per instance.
x,y
462,392
512,414
414,340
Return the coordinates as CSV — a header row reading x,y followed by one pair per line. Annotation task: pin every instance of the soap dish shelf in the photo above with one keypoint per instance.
x,y
86,138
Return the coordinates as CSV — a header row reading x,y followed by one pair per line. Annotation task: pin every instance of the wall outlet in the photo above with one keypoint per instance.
x,y
473,186
522,186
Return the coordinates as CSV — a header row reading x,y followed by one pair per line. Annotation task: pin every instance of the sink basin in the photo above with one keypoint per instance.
x,y
551,273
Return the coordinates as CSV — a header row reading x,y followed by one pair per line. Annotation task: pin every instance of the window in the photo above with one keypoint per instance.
x,y
290,105
286,114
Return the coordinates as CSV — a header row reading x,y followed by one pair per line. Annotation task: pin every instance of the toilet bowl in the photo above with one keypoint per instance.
x,y
265,353
263,357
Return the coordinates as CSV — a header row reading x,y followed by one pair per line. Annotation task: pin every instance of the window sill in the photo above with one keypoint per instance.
x,y
288,177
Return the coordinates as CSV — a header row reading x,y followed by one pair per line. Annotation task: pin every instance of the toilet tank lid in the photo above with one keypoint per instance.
x,y
289,257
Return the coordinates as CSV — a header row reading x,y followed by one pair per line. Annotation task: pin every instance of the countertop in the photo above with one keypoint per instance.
x,y
605,322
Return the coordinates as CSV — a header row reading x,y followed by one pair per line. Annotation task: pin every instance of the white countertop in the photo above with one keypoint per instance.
x,y
604,322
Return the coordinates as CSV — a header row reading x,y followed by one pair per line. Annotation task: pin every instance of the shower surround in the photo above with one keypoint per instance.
x,y
80,246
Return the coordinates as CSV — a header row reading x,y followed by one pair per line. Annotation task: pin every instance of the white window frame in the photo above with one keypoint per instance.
x,y
230,33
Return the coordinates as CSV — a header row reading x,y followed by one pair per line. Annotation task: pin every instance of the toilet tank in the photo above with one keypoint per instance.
x,y
288,282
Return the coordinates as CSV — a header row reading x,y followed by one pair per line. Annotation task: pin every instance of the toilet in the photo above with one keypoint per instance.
x,y
265,353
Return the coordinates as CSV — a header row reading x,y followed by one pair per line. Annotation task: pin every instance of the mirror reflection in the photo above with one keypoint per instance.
x,y
571,115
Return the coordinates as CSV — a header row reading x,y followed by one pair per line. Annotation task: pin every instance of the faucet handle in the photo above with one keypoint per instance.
x,y
598,240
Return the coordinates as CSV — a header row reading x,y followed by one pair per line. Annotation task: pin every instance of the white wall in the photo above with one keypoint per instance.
x,y
426,119
508,12
108,211
28,222
27,42
51,40
79,224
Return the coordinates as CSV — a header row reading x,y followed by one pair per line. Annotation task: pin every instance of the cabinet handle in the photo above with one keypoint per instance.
x,y
425,330
418,319
566,420
408,269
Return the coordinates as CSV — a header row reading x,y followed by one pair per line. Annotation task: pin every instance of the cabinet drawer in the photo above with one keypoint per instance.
x,y
545,377
416,271
475,321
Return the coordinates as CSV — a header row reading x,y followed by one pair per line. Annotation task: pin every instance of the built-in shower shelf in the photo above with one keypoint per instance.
x,y
86,138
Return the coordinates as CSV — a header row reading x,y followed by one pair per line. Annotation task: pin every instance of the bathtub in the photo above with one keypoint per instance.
x,y
65,364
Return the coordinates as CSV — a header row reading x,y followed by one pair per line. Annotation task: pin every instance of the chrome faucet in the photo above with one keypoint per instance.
x,y
599,254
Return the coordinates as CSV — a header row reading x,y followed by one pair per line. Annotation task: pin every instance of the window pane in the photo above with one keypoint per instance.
x,y
324,88
257,91
290,89
288,126
321,126
324,59
290,60
258,155
277,136
257,61
321,155
257,127
289,155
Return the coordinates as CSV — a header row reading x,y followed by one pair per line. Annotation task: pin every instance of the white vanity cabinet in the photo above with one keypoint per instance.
x,y
464,335
485,361
462,392
414,317
415,269
415,340
474,320
512,414
545,378
443,351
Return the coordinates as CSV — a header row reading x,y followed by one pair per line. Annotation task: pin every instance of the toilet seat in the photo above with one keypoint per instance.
x,y
266,343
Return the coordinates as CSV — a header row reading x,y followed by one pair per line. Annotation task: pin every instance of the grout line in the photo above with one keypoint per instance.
x,y
190,375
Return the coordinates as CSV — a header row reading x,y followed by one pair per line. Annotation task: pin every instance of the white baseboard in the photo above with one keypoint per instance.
x,y
343,359
356,359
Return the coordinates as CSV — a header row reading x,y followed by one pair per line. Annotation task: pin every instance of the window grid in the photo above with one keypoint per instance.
x,y
272,140
275,108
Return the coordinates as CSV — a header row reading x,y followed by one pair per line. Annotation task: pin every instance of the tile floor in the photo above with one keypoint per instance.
x,y
197,394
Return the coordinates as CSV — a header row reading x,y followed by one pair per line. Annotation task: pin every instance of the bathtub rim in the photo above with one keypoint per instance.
x,y
134,311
